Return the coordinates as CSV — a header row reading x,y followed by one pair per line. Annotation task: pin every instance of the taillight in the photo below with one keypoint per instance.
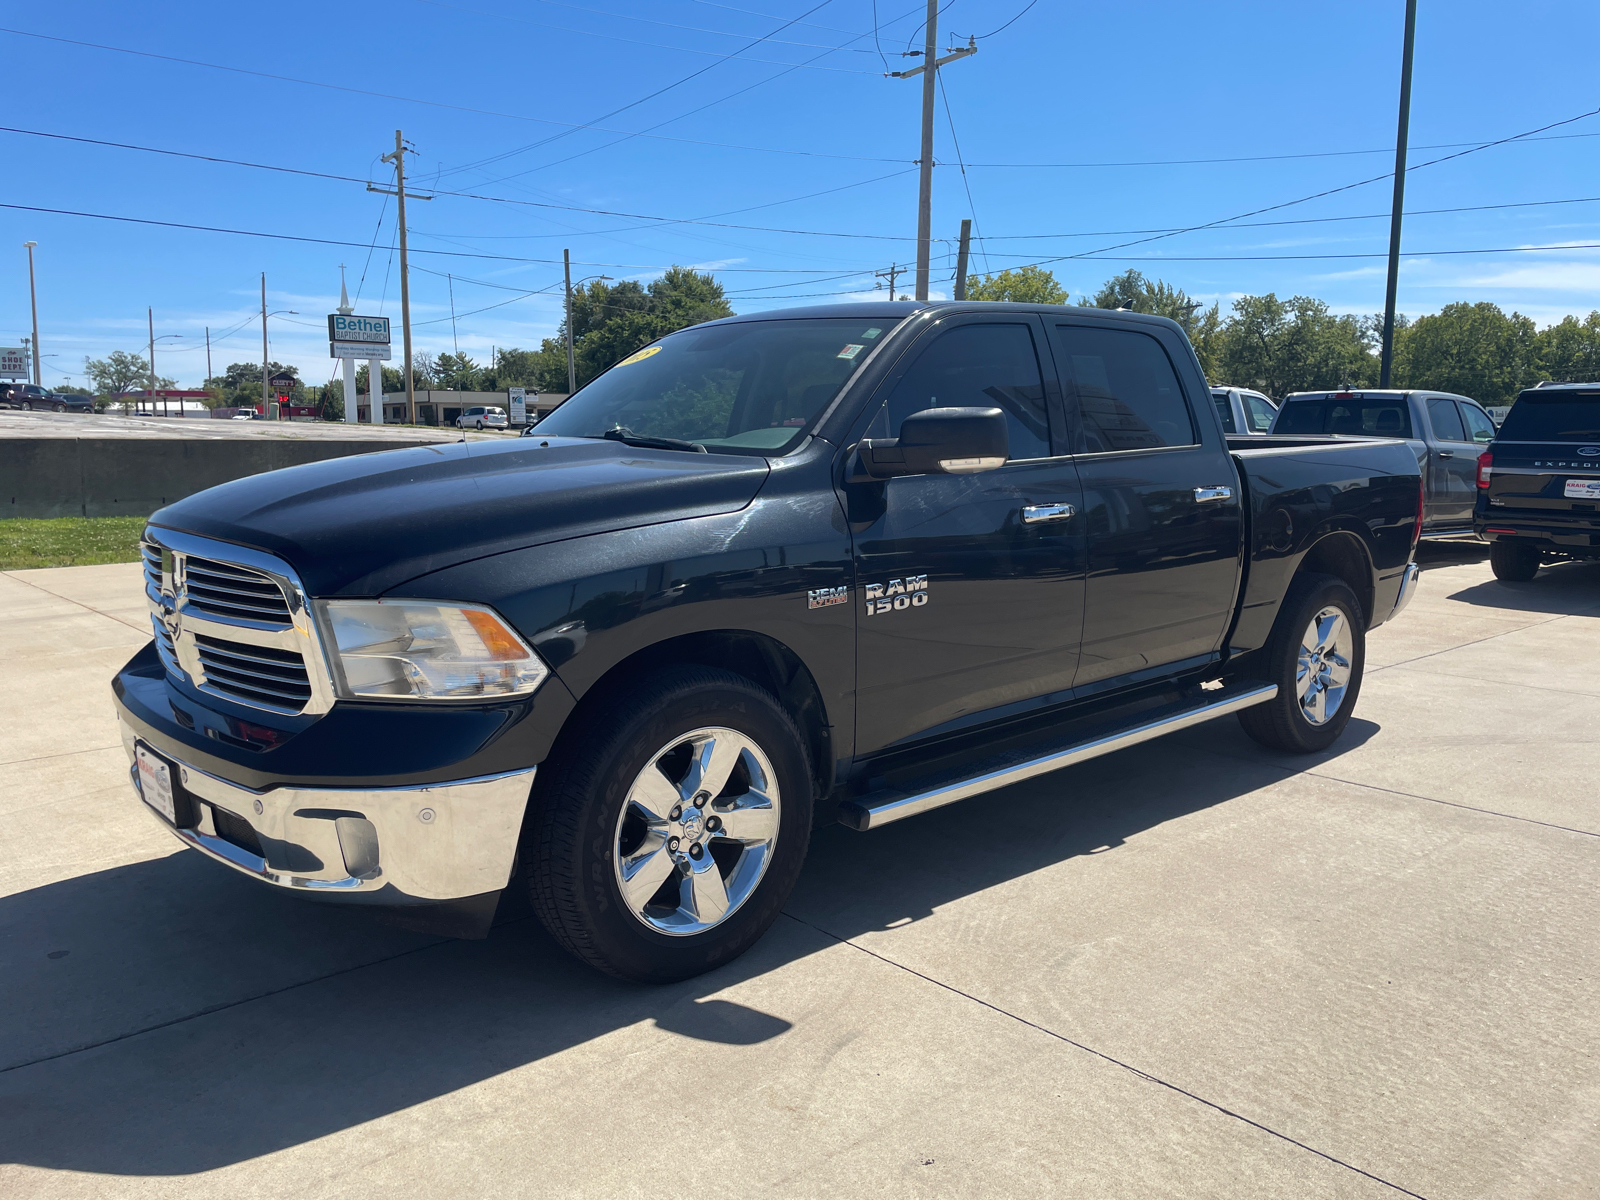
x,y
1422,498
1485,468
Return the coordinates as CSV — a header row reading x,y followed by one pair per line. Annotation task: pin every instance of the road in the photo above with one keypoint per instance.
x,y
1192,969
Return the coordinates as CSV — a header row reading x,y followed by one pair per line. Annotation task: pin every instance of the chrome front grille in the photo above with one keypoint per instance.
x,y
255,674
224,590
234,623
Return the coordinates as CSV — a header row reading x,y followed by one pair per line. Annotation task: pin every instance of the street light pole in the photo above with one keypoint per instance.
x,y
266,404
33,300
1387,360
150,315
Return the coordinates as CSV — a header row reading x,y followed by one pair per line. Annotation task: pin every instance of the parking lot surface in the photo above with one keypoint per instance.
x,y
1190,969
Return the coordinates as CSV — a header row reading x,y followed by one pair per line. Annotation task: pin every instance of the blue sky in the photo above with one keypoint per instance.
x,y
518,101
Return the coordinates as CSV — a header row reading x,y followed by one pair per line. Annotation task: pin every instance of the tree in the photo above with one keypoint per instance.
x,y
122,371
1025,285
1296,345
1570,352
457,372
1473,350
239,386
611,321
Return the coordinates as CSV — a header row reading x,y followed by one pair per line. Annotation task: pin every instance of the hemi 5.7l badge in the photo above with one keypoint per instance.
x,y
827,597
897,595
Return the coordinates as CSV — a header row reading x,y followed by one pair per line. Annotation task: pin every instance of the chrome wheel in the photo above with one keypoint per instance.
x,y
696,831
1323,671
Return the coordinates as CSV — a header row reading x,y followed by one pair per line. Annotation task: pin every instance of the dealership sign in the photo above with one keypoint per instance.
x,y
345,328
14,362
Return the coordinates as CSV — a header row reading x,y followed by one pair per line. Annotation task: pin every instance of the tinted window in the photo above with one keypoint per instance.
x,y
1446,421
749,387
1259,411
978,366
1225,411
1373,418
1479,427
1128,394
1552,416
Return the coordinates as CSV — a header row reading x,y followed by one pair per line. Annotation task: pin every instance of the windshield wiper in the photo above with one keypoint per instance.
x,y
621,433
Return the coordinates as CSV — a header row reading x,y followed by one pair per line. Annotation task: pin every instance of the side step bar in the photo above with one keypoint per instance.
x,y
880,808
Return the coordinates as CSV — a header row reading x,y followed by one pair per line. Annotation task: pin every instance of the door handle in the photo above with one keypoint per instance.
x,y
1033,514
1447,454
1203,494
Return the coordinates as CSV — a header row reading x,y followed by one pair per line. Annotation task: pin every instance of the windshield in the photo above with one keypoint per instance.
x,y
1552,416
752,387
1372,418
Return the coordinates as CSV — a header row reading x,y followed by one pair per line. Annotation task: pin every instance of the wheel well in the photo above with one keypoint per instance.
x,y
1344,555
763,660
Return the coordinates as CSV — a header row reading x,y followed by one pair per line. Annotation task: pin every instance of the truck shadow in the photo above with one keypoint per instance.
x,y
197,1021
1569,589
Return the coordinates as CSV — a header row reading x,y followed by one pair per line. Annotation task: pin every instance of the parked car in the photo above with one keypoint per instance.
x,y
527,430
33,397
1539,481
909,554
1446,432
1242,410
481,416
70,402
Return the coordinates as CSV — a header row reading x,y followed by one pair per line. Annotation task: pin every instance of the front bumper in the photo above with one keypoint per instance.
x,y
424,844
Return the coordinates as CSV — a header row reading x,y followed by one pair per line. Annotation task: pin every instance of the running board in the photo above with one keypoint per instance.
x,y
880,808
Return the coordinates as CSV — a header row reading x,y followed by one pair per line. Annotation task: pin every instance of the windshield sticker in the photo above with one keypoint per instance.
x,y
851,351
872,333
640,355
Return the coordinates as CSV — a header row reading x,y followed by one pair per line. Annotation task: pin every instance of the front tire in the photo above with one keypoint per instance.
x,y
1316,657
670,828
1514,562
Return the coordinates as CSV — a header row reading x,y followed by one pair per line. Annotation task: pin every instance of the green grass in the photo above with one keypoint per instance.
x,y
69,542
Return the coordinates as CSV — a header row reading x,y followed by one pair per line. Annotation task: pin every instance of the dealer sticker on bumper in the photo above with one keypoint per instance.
x,y
1583,489
155,783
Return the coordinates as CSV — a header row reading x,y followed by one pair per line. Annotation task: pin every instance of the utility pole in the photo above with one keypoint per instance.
x,y
1401,136
928,70
208,354
266,404
572,369
399,160
961,258
33,300
893,273
150,315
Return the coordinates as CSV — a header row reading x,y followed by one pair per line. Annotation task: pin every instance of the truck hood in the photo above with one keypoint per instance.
x,y
365,523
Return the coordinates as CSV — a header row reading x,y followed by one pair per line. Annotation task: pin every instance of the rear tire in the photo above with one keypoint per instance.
x,y
1514,562
621,807
58,407
1316,657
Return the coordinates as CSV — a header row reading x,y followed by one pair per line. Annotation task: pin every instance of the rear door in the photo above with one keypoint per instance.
x,y
1452,465
1161,500
969,587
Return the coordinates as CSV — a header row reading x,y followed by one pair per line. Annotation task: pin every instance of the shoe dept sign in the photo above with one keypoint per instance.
x,y
350,336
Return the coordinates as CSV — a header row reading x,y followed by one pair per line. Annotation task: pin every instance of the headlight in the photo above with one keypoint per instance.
x,y
415,650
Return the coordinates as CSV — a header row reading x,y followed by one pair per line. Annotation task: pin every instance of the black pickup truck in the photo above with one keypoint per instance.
x,y
1539,481
843,563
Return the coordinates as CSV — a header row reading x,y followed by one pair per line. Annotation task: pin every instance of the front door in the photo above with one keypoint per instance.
x,y
1161,502
969,587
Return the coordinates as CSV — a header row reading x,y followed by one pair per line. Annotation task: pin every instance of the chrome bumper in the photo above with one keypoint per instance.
x,y
1408,589
416,845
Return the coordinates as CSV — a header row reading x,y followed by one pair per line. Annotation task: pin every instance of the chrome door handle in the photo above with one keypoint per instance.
x,y
1033,514
1447,454
1203,494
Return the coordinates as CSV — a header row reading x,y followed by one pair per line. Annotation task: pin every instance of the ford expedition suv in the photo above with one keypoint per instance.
x,y
843,563
1539,481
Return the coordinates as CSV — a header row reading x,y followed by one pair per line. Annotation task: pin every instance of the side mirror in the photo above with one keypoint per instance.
x,y
939,441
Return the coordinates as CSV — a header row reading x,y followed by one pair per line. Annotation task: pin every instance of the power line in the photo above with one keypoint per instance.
x,y
635,103
978,37
480,112
635,41
954,141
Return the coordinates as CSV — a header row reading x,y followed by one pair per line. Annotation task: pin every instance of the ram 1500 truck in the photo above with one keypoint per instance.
x,y
842,563
1539,481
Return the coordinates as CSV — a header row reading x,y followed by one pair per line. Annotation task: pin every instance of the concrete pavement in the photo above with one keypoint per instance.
x,y
1190,969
